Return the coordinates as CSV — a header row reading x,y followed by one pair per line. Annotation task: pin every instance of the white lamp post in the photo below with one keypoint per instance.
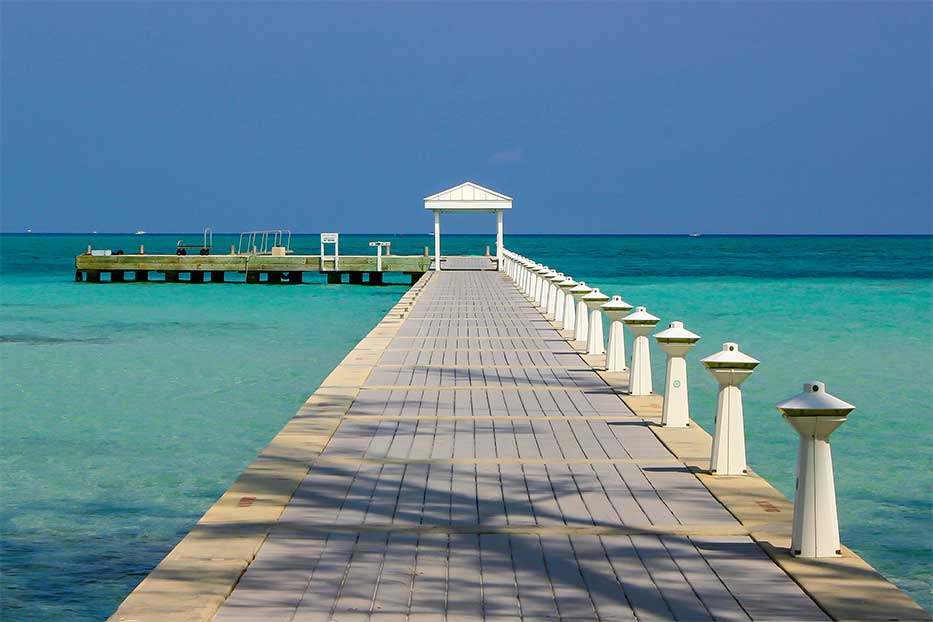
x,y
615,354
730,368
581,322
640,323
815,414
676,341
594,333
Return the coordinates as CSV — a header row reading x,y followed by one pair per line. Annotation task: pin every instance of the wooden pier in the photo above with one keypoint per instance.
x,y
465,462
255,268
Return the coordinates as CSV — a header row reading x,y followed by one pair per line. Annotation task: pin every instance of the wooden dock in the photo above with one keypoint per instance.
x,y
255,268
465,462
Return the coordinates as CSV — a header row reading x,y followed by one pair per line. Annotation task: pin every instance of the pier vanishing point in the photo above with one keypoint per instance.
x,y
468,461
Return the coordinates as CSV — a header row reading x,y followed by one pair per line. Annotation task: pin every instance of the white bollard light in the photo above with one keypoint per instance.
x,y
594,333
565,300
640,324
676,341
553,289
581,321
537,271
525,275
541,298
815,414
730,368
615,353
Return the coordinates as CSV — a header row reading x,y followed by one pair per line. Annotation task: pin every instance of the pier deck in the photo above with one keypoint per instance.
x,y
486,471
465,462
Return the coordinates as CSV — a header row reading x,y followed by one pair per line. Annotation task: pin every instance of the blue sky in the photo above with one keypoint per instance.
x,y
784,117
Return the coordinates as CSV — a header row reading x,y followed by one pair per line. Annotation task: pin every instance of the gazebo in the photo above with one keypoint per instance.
x,y
467,198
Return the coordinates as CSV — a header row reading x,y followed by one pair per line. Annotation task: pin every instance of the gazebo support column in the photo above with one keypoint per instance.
x,y
499,239
437,240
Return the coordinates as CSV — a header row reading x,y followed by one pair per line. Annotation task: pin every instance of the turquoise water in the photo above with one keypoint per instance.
x,y
128,409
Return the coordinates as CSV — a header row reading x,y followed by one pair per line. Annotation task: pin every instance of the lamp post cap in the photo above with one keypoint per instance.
x,y
676,333
595,296
641,317
730,357
814,401
581,288
567,283
616,304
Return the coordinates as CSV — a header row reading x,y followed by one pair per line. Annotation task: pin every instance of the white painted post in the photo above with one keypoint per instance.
x,y
581,322
568,316
815,414
553,291
560,308
676,341
437,240
615,353
640,323
730,368
499,237
594,334
541,298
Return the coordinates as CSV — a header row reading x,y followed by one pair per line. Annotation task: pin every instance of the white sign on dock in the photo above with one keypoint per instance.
x,y
330,238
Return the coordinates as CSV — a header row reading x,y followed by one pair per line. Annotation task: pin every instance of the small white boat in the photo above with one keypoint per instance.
x,y
140,232
695,235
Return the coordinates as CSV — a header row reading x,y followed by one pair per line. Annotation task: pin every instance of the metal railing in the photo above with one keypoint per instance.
x,y
262,242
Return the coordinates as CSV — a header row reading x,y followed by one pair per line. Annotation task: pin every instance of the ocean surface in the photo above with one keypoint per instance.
x,y
128,409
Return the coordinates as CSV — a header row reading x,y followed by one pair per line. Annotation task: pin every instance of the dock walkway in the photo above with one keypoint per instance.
x,y
486,472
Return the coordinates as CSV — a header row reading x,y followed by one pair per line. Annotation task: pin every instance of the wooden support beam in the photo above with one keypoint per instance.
x,y
334,278
294,277
356,278
172,276
79,276
93,276
252,277
196,277
141,275
217,276
375,278
274,277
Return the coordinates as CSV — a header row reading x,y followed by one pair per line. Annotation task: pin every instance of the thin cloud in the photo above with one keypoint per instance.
x,y
510,156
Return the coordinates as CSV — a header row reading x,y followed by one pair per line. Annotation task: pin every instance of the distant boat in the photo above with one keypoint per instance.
x,y
695,235
140,232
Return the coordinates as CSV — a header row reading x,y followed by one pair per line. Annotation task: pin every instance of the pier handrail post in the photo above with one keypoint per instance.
x,y
594,334
640,323
730,367
815,414
615,353
676,341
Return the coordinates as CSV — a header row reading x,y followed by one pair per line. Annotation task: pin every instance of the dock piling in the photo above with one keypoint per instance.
x,y
196,276
141,276
172,276
217,276
117,276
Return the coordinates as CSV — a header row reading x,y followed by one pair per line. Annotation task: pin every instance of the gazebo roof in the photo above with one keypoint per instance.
x,y
468,197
